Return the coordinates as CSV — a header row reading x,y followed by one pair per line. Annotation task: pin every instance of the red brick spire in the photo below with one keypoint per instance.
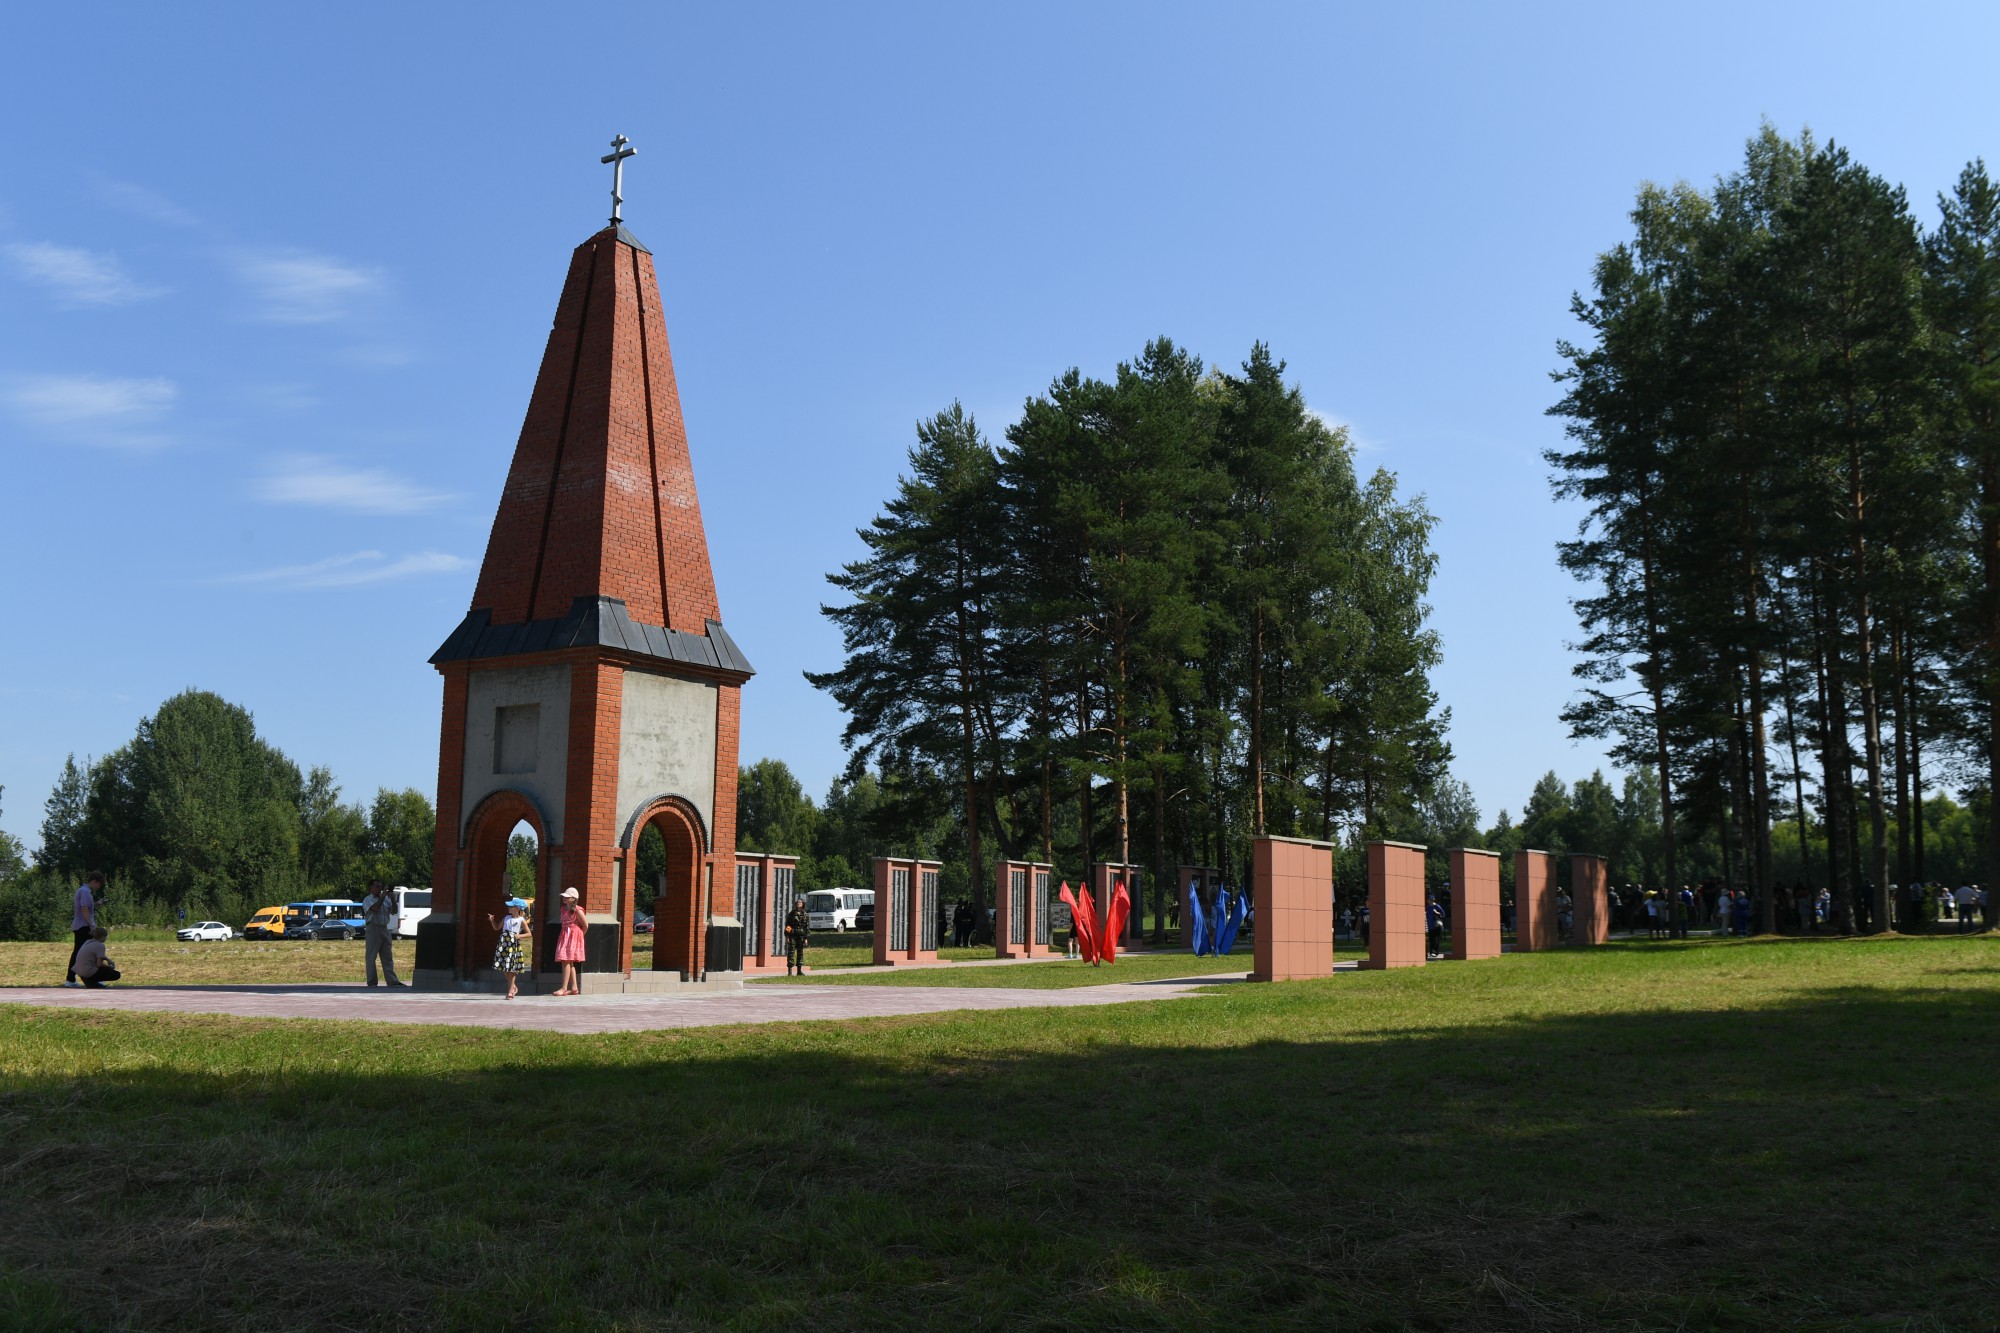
x,y
600,500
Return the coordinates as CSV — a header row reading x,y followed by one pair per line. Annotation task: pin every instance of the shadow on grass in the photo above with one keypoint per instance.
x,y
1755,1168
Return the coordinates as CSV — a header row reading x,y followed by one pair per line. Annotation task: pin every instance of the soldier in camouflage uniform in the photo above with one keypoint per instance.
x,y
796,930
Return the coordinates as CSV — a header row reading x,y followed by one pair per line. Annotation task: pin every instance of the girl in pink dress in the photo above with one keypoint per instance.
x,y
569,944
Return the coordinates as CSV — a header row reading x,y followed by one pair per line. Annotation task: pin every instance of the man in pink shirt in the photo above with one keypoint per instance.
x,y
82,920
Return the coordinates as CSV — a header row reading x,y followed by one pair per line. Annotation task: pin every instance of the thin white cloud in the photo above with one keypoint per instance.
x,y
77,277
277,397
323,484
353,570
145,203
378,356
1354,436
94,409
293,287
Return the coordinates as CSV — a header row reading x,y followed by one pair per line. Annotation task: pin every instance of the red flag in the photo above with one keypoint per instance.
x,y
1093,932
1083,922
1119,908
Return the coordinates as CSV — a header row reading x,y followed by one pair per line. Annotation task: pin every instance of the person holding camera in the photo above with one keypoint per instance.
x,y
378,910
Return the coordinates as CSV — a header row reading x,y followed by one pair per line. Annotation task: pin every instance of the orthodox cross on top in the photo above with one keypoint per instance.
x,y
620,150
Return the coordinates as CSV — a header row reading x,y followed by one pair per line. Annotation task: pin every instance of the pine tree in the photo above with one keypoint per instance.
x,y
62,821
1851,387
1963,267
923,674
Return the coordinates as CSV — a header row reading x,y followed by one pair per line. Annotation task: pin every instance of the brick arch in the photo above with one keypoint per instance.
x,y
651,807
484,836
678,920
495,802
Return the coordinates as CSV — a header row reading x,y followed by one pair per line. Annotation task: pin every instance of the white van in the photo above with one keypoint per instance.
x,y
412,906
834,909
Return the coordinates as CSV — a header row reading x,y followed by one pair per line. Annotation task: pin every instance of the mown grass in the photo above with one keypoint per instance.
x,y
164,961
153,957
1757,1135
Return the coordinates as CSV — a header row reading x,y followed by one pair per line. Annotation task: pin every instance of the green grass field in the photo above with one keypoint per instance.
x,y
1752,1135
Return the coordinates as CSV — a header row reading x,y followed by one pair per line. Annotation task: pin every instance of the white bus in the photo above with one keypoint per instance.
x,y
412,906
834,909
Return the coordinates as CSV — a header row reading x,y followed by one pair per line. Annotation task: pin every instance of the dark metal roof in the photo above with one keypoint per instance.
x,y
630,239
594,622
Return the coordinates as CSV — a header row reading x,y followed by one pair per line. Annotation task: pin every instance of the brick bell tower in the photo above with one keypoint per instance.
x,y
591,689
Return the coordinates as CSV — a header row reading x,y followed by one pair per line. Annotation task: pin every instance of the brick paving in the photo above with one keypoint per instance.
x,y
764,1003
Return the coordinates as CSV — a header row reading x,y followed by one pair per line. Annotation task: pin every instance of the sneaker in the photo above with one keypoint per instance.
x,y
72,985
399,985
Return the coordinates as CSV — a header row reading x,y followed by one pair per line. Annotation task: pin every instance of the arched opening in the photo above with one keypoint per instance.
x,y
676,888
506,860
650,855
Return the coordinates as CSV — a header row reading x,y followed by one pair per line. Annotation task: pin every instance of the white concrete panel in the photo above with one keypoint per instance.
x,y
487,693
666,743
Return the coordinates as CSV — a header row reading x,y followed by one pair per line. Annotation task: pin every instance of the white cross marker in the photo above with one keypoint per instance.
x,y
620,150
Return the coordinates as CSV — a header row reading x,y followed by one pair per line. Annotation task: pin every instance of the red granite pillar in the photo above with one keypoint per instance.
x,y
1535,924
1587,877
1021,910
765,888
1291,887
1105,875
1475,903
906,895
1395,905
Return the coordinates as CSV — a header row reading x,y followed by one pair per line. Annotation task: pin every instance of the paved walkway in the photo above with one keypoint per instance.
x,y
765,1003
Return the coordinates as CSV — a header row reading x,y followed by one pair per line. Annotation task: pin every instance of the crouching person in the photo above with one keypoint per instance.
x,y
93,966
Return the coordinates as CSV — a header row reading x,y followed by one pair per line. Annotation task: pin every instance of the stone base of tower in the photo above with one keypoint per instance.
x,y
489,982
652,983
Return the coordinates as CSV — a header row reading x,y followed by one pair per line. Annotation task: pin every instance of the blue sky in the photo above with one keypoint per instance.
x,y
274,281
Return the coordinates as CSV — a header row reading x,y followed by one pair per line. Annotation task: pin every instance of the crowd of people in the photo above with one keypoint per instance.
x,y
1712,907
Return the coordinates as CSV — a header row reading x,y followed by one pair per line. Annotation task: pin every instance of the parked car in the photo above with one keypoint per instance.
x,y
341,923
643,926
324,919
864,917
269,923
205,930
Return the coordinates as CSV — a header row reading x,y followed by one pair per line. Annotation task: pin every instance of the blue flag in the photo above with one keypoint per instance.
x,y
1232,918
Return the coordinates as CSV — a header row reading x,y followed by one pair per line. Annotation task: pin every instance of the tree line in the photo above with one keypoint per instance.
x,y
836,840
198,813
1784,425
1164,614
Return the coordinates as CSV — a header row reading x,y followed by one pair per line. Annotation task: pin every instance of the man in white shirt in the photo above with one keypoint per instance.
x,y
82,920
1967,899
378,909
